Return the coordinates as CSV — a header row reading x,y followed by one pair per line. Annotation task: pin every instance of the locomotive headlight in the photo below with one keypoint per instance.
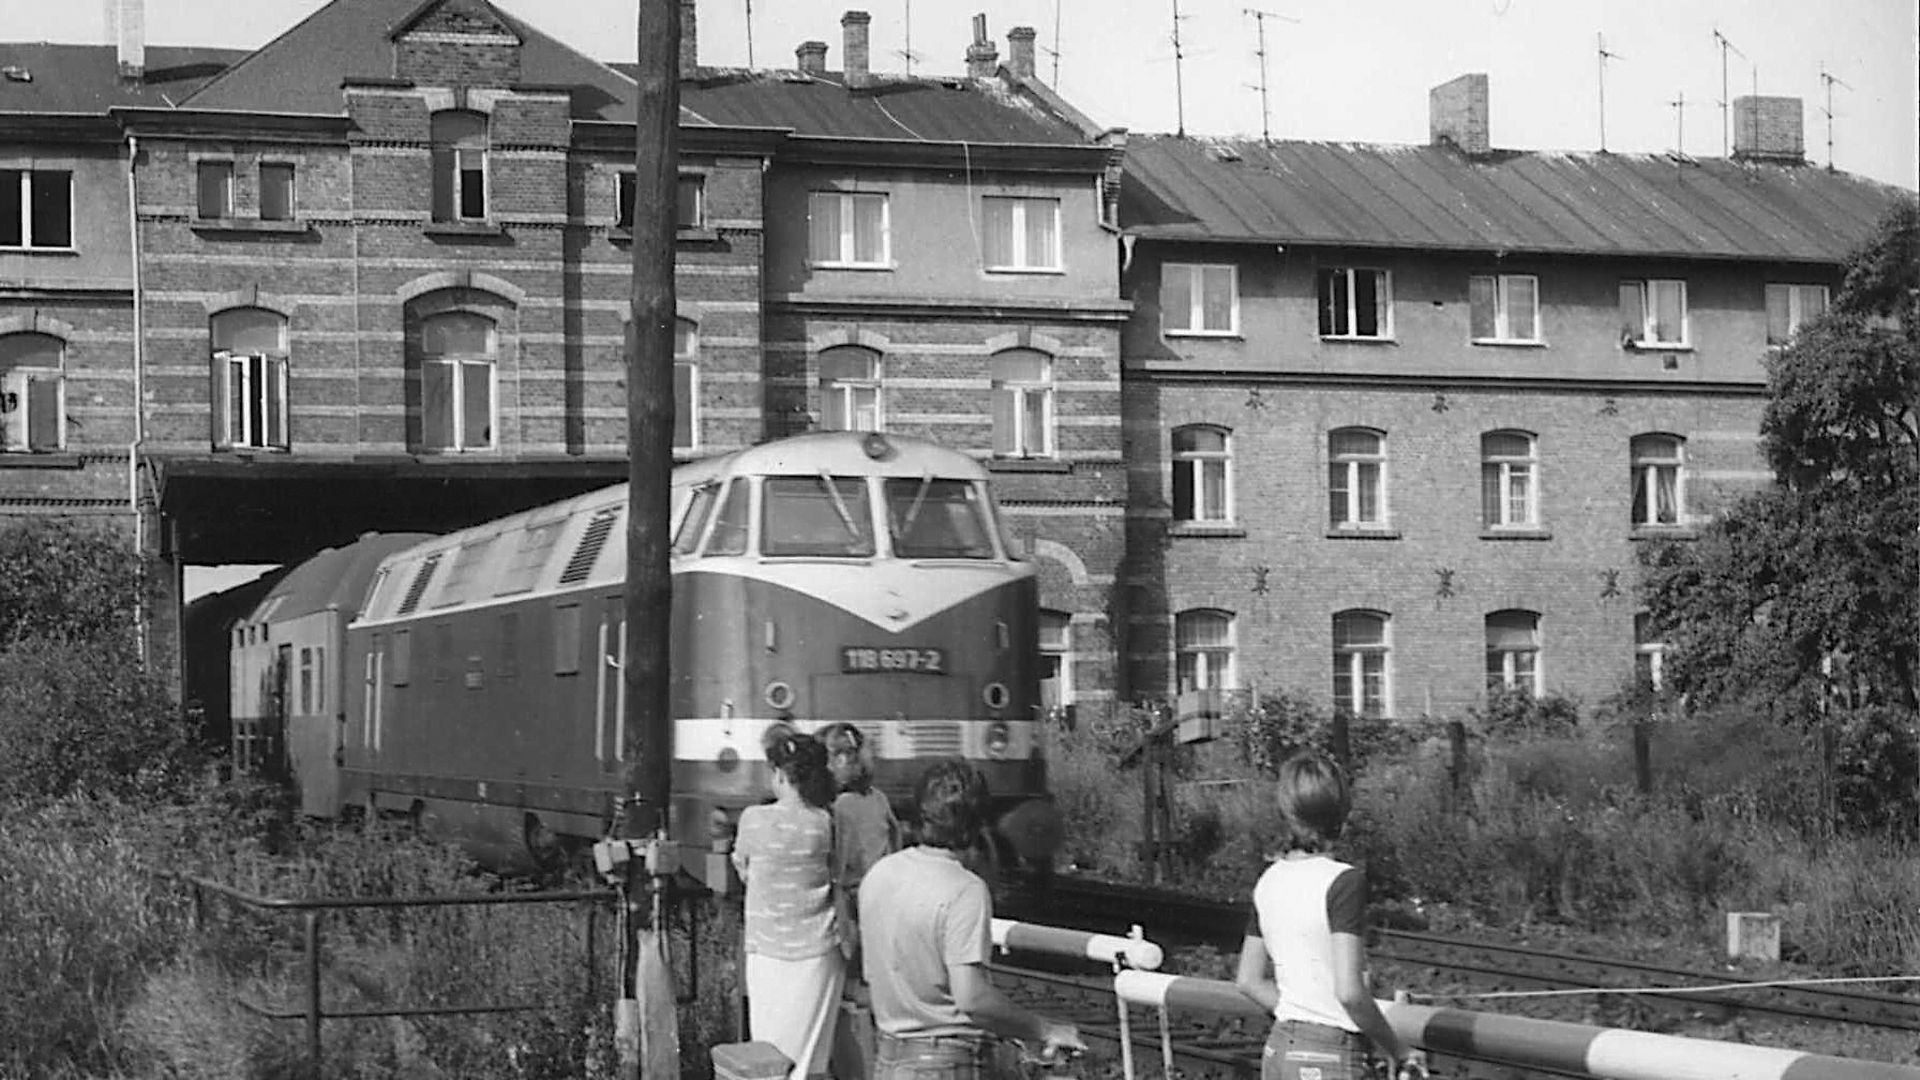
x,y
995,695
999,738
779,695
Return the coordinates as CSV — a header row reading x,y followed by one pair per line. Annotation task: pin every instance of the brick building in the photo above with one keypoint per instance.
x,y
1399,417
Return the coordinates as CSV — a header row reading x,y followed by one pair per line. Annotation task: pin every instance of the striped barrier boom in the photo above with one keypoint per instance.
x,y
1609,1053
1131,952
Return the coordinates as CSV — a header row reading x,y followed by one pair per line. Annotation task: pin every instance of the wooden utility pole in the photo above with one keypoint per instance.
x,y
645,1024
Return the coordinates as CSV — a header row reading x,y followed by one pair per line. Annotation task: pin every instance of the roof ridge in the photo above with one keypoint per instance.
x,y
255,54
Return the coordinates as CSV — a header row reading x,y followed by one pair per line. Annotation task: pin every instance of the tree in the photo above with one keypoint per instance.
x,y
1809,592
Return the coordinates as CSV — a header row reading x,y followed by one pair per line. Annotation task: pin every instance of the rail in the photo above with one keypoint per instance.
x,y
313,911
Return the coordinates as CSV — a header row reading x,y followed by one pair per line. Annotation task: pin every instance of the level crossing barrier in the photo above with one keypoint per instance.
x,y
1576,1049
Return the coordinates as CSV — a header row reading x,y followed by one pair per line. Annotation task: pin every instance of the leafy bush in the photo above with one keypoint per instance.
x,y
62,581
84,720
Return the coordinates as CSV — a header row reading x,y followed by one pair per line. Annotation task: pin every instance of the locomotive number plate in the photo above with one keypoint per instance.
x,y
858,659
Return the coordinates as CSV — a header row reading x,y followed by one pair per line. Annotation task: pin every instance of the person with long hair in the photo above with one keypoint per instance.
x,y
864,827
784,852
1305,956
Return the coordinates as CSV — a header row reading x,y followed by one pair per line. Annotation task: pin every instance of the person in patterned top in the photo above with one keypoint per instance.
x,y
784,852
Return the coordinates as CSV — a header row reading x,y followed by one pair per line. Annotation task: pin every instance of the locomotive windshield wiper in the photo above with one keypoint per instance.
x,y
840,505
913,511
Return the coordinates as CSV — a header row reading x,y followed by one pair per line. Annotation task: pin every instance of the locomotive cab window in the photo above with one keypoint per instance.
x,y
686,540
730,526
820,515
937,519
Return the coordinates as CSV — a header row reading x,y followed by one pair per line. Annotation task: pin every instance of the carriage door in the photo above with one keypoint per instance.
x,y
372,699
610,686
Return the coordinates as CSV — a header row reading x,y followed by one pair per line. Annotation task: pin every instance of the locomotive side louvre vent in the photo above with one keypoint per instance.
x,y
419,586
591,542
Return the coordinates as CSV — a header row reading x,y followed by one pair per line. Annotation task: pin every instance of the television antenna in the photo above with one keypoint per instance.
x,y
749,35
907,54
1260,29
1604,55
1828,80
1726,102
1680,123
1179,90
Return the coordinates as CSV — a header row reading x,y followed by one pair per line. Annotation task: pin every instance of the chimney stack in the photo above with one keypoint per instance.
x,y
1457,114
983,60
1768,129
812,56
853,48
127,32
689,39
1020,51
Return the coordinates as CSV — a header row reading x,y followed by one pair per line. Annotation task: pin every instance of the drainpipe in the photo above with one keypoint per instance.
x,y
139,390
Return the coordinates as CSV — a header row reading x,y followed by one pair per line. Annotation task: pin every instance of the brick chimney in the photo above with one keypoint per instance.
x,y
811,57
689,39
1768,129
1020,51
1457,115
127,32
853,47
983,60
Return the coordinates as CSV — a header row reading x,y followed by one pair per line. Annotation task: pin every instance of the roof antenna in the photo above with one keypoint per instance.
x,y
1829,81
1179,91
749,34
1680,124
1604,57
1726,102
907,53
1057,47
1260,28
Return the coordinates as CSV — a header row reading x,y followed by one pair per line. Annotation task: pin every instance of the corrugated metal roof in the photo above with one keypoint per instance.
x,y
1370,196
301,70
37,77
948,110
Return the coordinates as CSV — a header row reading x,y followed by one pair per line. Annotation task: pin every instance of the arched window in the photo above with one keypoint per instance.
x,y
33,395
1513,651
686,384
1649,653
1356,479
1360,653
850,389
459,141
1203,650
1202,474
1509,480
1022,404
250,379
456,382
1659,491
1056,659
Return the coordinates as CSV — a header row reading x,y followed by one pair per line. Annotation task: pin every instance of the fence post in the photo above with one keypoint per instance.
x,y
1457,760
313,991
1642,757
1342,740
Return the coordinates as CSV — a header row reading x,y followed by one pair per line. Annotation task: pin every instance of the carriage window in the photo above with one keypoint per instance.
x,y
699,505
816,515
730,527
937,519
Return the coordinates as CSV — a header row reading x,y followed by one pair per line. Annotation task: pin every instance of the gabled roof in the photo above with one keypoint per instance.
x,y
37,77
946,110
301,70
337,577
1436,198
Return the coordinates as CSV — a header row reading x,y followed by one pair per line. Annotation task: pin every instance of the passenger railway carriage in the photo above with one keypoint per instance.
x,y
825,577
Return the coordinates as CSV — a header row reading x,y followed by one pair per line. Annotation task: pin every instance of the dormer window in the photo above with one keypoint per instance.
x,y
459,166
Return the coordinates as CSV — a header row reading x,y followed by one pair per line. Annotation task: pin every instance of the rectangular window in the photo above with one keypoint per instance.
x,y
32,402
254,388
402,657
848,229
457,404
216,190
684,420
1653,314
689,210
1022,404
1355,304
566,639
1199,299
1504,307
1791,306
276,191
306,681
1022,233
36,208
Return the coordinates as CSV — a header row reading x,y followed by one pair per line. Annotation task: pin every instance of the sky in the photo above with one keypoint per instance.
x,y
1356,71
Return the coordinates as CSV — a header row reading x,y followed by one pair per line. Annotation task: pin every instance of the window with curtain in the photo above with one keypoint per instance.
x,y
1513,651
1199,299
1504,307
1649,653
848,228
32,393
1056,667
1653,313
459,157
1022,404
686,385
1789,307
1509,480
1355,303
1360,653
1021,233
1202,474
1203,650
250,379
457,382
850,389
1356,479
1658,485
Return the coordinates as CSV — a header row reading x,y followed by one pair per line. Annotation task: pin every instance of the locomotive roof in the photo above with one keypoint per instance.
x,y
335,577
845,452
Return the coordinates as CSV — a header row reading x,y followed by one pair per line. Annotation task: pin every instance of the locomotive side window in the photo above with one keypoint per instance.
x,y
730,526
566,639
319,679
523,566
306,681
694,522
466,566
815,515
402,656
937,519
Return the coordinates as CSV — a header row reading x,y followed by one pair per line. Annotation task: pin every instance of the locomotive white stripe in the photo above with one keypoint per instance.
x,y
705,738
894,595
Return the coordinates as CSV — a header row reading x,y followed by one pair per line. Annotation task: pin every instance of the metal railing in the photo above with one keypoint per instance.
x,y
313,912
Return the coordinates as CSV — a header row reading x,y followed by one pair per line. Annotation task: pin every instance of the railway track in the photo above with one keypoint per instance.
x,y
1173,918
